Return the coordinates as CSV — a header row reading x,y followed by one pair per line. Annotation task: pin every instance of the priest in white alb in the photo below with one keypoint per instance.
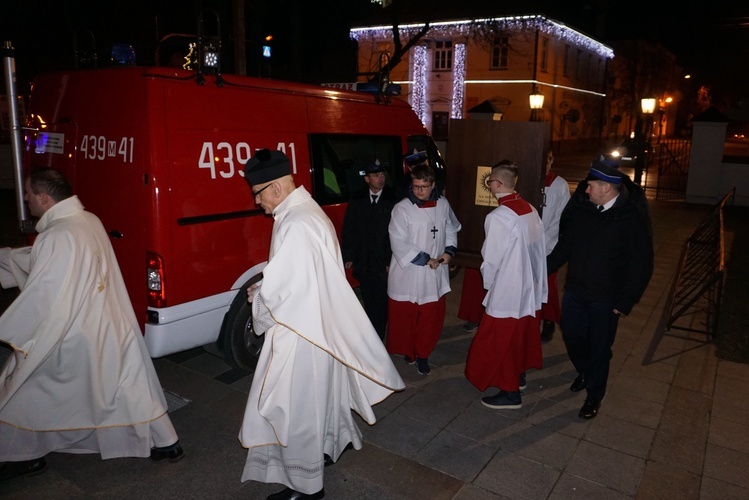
x,y
321,357
80,379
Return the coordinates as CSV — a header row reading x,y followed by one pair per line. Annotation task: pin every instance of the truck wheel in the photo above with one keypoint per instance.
x,y
241,346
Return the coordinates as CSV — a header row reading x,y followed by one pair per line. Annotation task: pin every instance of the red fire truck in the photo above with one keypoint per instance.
x,y
158,155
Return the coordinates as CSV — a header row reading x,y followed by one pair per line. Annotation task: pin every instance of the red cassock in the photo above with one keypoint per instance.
x,y
471,308
501,350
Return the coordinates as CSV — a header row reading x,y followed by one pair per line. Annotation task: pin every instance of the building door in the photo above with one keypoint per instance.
x,y
440,121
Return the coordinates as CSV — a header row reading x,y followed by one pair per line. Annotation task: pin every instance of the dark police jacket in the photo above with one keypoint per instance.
x,y
610,253
364,238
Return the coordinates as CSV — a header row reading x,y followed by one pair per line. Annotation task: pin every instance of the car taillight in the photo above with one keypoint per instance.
x,y
156,280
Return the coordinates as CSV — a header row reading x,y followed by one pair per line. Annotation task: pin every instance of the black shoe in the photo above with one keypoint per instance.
x,y
590,408
329,461
13,470
547,332
172,453
423,366
470,326
579,384
289,494
522,384
503,400
408,359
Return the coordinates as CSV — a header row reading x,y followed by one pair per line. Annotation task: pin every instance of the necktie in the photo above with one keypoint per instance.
x,y
600,208
374,199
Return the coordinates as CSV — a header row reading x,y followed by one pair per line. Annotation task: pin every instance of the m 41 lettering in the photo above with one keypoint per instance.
x,y
98,147
227,160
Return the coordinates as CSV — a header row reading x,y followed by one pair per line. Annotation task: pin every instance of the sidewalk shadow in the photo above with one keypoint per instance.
x,y
663,331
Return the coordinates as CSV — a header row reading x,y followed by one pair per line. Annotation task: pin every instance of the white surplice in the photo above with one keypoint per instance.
x,y
80,379
514,256
321,357
412,232
556,197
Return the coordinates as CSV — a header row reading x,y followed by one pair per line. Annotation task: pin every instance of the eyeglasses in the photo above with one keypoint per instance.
x,y
257,193
416,187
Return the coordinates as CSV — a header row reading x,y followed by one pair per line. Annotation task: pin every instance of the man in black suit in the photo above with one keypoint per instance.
x,y
605,237
366,245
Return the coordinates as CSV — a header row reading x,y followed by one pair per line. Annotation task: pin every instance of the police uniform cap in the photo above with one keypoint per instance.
x,y
600,171
373,168
267,165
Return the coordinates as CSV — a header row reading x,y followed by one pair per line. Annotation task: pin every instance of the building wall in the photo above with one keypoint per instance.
x,y
573,104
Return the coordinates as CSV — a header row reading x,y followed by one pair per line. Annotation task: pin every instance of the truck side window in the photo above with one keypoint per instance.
x,y
338,162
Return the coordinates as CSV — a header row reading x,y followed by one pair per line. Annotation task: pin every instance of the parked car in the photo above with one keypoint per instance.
x,y
625,154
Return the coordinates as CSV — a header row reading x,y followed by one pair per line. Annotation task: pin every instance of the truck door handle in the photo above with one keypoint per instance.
x,y
115,234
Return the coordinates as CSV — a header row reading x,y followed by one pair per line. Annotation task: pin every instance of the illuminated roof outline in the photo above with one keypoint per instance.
x,y
462,28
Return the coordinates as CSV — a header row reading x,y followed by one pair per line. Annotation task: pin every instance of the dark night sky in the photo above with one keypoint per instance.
x,y
711,42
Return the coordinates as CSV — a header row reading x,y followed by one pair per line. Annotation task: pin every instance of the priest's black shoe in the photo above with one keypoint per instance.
x,y
172,453
579,384
13,470
329,461
289,494
590,408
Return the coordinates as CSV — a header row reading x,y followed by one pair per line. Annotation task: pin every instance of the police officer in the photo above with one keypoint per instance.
x,y
366,245
605,237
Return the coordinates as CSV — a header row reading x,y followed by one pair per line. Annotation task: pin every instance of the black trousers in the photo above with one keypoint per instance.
x,y
374,293
588,329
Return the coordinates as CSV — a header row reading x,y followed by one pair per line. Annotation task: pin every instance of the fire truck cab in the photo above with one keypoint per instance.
x,y
159,156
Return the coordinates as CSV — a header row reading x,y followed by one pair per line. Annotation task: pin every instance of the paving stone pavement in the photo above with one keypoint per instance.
x,y
673,424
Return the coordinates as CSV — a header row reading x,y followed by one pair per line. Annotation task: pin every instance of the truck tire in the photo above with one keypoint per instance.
x,y
240,345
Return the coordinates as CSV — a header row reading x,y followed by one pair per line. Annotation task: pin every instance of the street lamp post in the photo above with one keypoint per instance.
x,y
537,104
648,107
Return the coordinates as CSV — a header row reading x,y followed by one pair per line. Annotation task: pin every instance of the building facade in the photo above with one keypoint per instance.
x,y
456,66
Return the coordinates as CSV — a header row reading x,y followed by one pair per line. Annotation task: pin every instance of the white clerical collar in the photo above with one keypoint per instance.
x,y
502,195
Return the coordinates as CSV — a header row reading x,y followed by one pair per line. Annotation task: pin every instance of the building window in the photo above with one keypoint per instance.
x,y
500,51
579,71
544,54
591,69
566,60
443,55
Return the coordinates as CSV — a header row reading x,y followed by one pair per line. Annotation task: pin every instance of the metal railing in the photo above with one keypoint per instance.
x,y
673,168
698,287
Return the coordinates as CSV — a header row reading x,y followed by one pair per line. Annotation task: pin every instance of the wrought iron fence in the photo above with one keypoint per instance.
x,y
698,287
673,168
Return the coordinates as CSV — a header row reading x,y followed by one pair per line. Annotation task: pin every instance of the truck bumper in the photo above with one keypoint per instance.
x,y
185,326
